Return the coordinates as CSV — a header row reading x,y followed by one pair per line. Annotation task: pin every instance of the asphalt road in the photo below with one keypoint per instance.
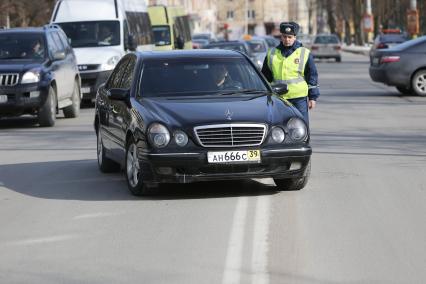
x,y
361,218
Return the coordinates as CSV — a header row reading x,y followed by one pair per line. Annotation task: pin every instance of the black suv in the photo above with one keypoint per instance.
x,y
38,74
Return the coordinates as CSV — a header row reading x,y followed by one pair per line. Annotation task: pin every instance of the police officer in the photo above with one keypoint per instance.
x,y
291,63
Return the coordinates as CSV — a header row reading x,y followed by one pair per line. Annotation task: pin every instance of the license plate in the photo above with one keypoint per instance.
x,y
250,156
375,61
3,98
85,90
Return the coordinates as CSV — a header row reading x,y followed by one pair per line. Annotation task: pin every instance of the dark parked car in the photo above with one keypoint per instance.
x,y
38,74
177,117
402,66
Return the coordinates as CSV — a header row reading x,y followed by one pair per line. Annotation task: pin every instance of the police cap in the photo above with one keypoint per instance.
x,y
289,28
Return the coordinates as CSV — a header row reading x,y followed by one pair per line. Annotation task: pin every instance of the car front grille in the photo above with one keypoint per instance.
x,y
9,79
230,135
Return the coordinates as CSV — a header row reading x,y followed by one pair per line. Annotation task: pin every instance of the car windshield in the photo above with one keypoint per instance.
x,y
393,38
257,46
326,40
199,77
161,35
411,43
24,46
228,46
92,34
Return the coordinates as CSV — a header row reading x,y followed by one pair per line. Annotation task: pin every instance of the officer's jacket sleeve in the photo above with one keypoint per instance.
x,y
266,71
311,77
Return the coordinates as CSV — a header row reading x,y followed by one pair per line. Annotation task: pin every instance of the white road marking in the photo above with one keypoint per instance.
x,y
259,259
96,215
42,240
232,273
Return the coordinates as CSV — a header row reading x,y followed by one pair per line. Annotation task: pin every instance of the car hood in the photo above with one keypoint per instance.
x,y
96,55
17,67
237,109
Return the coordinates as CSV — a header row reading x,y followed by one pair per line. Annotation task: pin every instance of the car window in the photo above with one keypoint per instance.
x,y
64,41
326,40
257,46
52,44
180,77
393,38
412,43
58,41
114,80
25,46
128,74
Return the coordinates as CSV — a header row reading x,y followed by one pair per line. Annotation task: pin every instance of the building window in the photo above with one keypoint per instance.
x,y
230,14
251,14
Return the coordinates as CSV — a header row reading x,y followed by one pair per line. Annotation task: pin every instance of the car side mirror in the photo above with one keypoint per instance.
x,y
59,55
118,94
280,88
131,42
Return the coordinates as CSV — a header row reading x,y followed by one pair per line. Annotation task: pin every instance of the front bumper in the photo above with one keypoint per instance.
x,y
90,82
23,99
193,167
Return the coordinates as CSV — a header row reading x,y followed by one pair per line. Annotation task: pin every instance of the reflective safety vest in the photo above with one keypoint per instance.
x,y
290,70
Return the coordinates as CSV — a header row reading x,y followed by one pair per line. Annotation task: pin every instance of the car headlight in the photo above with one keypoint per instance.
x,y
32,76
181,138
110,64
159,135
297,129
277,134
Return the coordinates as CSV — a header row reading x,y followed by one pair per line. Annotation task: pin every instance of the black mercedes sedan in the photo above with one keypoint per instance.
x,y
402,66
199,115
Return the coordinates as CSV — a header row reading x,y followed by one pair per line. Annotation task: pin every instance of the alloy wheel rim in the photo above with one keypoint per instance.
x,y
133,168
421,83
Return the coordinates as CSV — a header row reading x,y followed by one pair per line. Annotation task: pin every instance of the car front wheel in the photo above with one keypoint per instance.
x,y
292,184
47,113
418,83
134,171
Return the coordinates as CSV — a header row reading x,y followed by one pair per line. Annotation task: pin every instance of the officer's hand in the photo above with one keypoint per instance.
x,y
312,104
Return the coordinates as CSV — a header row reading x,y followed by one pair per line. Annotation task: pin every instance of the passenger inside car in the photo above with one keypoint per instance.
x,y
223,80
36,50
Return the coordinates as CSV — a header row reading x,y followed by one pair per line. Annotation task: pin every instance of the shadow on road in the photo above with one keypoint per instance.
x,y
81,180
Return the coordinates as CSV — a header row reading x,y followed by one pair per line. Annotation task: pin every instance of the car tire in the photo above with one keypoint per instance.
x,y
339,59
74,109
293,184
106,165
133,171
404,90
47,112
418,83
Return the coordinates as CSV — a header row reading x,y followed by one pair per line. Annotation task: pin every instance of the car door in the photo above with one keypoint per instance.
x,y
70,63
57,67
111,121
119,112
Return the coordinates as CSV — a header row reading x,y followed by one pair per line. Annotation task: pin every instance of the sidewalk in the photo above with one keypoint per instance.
x,y
356,49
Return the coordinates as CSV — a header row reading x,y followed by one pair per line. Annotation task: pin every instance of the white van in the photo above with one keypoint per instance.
x,y
101,32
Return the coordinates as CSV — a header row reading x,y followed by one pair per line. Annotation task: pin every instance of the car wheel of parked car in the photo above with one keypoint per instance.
x,y
338,59
404,90
134,171
418,83
74,109
292,184
105,164
47,113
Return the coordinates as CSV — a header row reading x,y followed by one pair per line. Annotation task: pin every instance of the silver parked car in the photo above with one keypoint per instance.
x,y
327,46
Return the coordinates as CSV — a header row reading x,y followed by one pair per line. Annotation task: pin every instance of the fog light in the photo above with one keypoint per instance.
x,y
165,170
34,94
295,166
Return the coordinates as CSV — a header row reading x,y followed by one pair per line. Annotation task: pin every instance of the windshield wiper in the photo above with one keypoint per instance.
x,y
247,91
